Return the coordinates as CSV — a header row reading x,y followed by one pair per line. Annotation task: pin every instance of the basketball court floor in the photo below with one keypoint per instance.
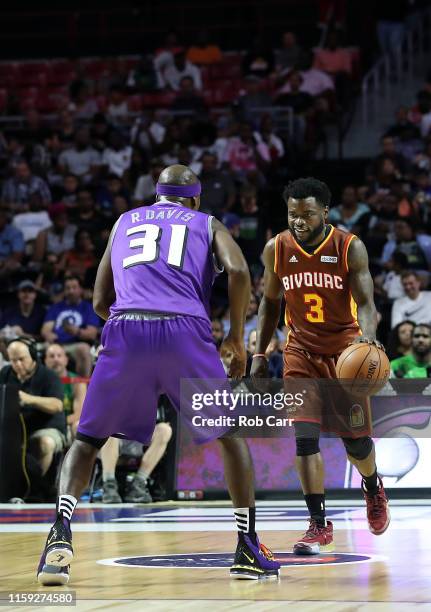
x,y
175,556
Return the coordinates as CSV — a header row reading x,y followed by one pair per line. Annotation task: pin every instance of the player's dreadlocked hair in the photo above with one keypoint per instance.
x,y
308,188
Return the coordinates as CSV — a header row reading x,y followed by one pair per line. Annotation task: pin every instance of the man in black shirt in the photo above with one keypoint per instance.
x,y
26,317
41,398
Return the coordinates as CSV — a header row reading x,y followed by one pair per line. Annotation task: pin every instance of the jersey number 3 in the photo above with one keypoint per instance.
x,y
315,312
149,245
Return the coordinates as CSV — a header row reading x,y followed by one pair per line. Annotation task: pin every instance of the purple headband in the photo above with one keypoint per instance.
x,y
179,191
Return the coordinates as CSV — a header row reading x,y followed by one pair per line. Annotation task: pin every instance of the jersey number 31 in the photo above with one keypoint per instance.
x,y
149,245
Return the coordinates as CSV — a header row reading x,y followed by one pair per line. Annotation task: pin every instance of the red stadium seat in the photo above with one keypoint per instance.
x,y
51,101
61,73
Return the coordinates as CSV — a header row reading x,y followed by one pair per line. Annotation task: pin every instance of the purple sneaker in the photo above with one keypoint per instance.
x,y
50,575
58,547
253,561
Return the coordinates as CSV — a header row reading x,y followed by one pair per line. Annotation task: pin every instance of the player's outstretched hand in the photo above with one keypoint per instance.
x,y
234,350
364,339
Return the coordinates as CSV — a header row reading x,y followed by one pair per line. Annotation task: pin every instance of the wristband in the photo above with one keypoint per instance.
x,y
260,355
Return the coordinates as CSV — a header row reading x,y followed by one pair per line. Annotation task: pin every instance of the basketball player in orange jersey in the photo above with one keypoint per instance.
x,y
321,270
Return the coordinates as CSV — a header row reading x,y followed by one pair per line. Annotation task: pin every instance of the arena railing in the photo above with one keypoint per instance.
x,y
398,67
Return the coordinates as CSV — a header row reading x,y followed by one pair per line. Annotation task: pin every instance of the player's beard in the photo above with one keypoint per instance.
x,y
312,236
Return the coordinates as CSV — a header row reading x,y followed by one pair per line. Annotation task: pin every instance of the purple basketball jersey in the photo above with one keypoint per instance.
x,y
162,260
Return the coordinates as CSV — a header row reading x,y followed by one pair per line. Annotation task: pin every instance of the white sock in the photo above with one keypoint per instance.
x,y
66,505
142,475
242,519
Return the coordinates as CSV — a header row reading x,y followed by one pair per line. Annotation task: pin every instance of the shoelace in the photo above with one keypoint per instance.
x,y
314,528
377,504
266,552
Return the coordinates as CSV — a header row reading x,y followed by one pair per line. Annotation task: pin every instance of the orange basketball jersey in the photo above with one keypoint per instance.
x,y
320,310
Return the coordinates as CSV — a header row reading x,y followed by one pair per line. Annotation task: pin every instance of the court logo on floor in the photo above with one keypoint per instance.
x,y
225,560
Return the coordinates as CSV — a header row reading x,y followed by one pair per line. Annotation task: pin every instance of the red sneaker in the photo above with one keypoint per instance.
x,y
315,539
377,509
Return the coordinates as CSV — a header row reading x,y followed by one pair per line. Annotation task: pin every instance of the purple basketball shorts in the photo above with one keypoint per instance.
x,y
141,360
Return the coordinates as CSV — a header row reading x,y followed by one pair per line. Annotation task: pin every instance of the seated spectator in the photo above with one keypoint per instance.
x,y
24,318
314,81
417,364
269,145
202,52
218,189
17,191
389,284
85,216
399,343
259,60
145,191
66,127
290,54
81,160
79,259
82,105
232,223
142,78
73,323
41,398
113,188
58,238
137,490
403,128
34,220
240,154
164,57
117,158
179,69
11,246
67,190
44,157
187,100
351,215
254,229
415,305
416,247
299,101
332,58
99,132
389,151
255,98
50,280
74,392
117,111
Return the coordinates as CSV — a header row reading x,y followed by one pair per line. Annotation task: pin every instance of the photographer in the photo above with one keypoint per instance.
x,y
41,398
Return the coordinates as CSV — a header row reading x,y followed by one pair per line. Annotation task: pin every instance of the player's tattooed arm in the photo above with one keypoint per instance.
x,y
362,288
229,255
104,291
269,308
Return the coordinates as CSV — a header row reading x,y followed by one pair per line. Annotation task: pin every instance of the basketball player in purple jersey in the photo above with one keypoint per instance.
x,y
153,288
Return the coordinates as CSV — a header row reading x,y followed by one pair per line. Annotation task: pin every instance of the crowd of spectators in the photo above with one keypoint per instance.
x,y
65,181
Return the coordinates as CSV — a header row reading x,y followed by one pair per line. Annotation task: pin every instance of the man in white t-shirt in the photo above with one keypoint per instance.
x,y
179,69
415,305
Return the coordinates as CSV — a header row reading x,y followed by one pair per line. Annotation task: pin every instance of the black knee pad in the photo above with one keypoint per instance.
x,y
358,448
96,442
307,438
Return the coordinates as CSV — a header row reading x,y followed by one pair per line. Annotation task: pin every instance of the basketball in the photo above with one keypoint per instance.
x,y
363,369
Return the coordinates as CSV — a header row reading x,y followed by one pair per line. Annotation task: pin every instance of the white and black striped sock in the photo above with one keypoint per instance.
x,y
66,505
245,519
